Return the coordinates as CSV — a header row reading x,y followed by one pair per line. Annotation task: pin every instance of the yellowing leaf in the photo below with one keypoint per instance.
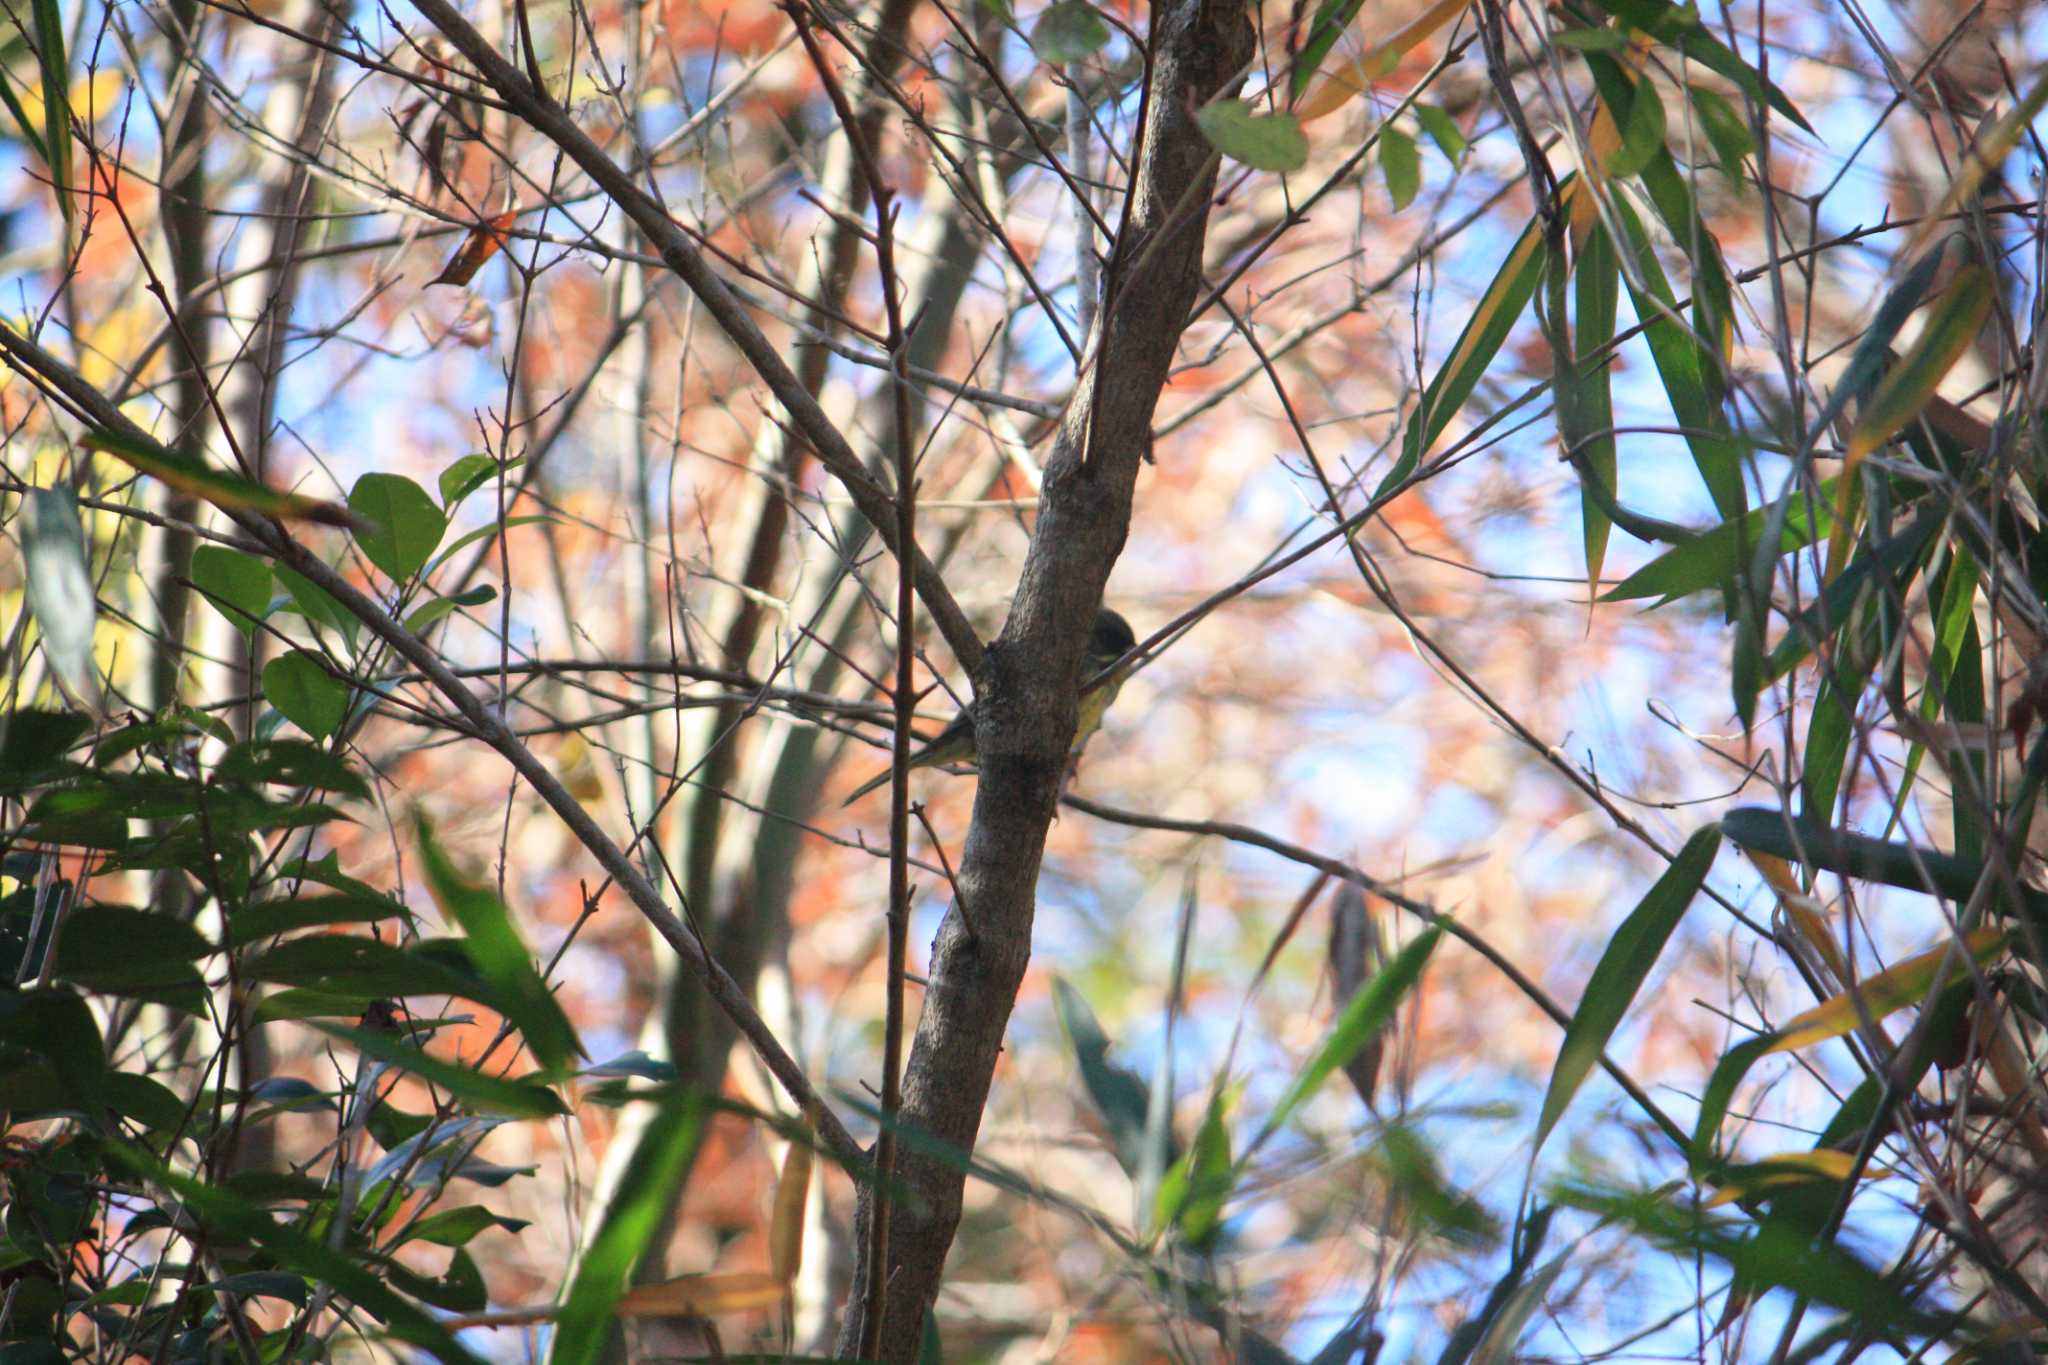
x,y
701,1296
1980,161
1356,76
1908,386
1786,1168
786,1223
1908,983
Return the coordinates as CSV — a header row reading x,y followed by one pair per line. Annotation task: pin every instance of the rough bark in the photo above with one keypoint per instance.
x,y
1026,688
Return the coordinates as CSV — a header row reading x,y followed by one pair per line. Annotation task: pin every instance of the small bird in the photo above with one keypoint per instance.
x,y
1110,640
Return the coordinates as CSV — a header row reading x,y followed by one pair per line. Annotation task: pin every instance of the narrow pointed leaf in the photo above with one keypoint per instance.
x,y
518,991
1368,1013
1495,316
1631,953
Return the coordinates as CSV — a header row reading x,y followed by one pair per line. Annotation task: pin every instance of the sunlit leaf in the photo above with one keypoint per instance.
x,y
1681,28
1265,142
786,1218
229,492
1911,982
1499,308
1785,1169
494,944
1402,166
1904,391
483,242
1368,1013
1195,1189
644,1195
60,591
1984,157
1352,78
1631,952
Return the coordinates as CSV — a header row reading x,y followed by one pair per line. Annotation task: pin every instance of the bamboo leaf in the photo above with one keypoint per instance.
x,y
1631,953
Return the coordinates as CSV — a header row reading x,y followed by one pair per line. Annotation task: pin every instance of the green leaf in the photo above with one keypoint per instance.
x,y
1119,1096
33,744
149,1102
268,919
125,951
471,537
349,964
1717,556
1365,1016
1332,18
1068,31
1878,569
237,585
1950,328
487,1094
1265,142
60,590
1492,320
1591,39
1907,866
518,990
1690,370
316,604
1768,1253
1444,131
1827,743
26,129
229,492
456,1227
237,1220
1401,164
290,763
59,1027
1631,953
1727,131
1680,28
305,693
466,475
1590,406
55,69
439,607
403,528
1641,122
1193,1193
646,1192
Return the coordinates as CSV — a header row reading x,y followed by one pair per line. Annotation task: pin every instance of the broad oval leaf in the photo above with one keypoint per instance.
x,y
1068,31
237,585
1265,142
403,528
1401,165
305,693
